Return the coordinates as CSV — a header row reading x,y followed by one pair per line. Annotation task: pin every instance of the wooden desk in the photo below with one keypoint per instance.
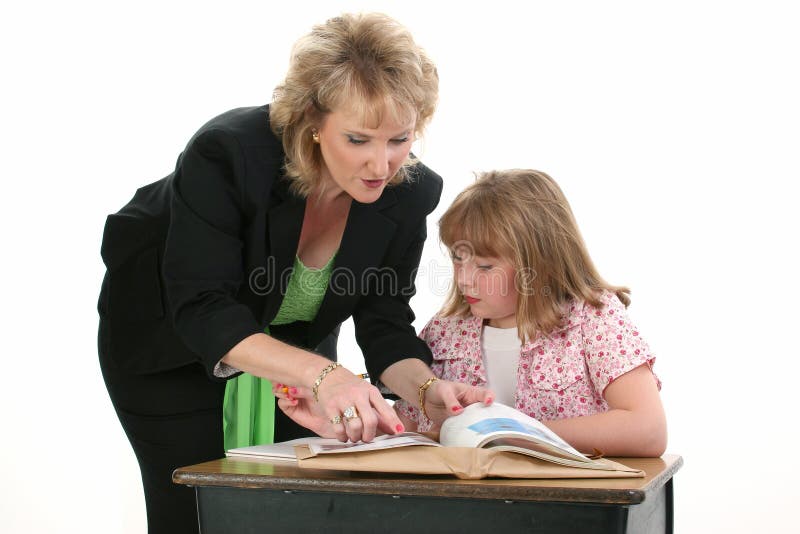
x,y
244,496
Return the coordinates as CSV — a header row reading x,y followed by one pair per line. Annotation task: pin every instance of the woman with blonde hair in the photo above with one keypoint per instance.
x,y
529,316
242,264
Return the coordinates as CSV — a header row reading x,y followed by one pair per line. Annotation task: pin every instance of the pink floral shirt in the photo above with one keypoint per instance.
x,y
559,376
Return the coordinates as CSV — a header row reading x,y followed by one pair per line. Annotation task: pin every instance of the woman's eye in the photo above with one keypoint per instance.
x,y
355,140
485,267
400,141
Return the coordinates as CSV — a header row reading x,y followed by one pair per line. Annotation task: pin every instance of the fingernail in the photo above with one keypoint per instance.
x,y
456,408
399,428
489,400
279,386
293,391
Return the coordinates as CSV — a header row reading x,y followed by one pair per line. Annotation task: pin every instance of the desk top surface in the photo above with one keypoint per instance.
x,y
287,476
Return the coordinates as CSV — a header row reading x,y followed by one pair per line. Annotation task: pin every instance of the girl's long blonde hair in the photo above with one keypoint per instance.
x,y
523,217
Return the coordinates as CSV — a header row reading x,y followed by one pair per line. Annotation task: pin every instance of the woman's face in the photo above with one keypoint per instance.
x,y
360,161
488,286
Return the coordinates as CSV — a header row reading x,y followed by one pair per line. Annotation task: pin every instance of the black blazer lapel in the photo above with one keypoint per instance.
x,y
285,223
367,235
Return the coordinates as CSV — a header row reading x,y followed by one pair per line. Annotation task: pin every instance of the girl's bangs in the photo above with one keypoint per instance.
x,y
470,229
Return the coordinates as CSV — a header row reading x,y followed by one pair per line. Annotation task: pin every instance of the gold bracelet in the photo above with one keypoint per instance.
x,y
422,390
321,376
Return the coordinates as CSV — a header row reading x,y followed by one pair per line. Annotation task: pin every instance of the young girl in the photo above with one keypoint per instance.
x,y
530,318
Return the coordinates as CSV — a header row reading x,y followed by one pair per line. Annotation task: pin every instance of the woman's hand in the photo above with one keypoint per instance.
x,y
444,399
374,414
298,404
340,391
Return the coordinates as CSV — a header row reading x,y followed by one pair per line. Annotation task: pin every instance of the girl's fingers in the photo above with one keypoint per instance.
x,y
477,394
446,394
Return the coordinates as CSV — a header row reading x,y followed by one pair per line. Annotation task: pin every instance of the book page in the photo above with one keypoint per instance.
x,y
403,439
285,449
501,425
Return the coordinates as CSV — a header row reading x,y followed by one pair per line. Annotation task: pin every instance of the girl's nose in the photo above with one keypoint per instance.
x,y
463,278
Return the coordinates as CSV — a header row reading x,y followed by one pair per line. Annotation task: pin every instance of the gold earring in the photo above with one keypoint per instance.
x,y
315,136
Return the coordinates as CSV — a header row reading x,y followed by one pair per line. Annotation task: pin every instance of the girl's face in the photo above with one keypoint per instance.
x,y
360,161
488,286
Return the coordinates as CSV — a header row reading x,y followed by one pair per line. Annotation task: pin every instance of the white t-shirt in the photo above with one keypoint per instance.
x,y
501,348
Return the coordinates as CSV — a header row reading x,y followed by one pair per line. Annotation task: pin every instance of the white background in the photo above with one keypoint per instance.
x,y
673,128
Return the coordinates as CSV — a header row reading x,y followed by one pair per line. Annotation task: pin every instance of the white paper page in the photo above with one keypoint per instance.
x,y
404,439
478,423
281,450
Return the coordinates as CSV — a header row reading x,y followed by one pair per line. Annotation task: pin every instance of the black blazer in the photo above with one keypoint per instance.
x,y
200,260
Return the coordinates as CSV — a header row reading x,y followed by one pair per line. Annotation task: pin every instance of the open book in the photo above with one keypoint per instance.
x,y
286,450
496,427
500,427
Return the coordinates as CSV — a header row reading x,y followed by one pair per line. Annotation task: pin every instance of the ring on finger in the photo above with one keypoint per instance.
x,y
336,419
350,413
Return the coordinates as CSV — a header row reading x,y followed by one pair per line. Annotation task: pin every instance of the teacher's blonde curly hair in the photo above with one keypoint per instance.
x,y
365,63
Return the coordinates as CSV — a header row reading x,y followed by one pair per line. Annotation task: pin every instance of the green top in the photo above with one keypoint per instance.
x,y
249,405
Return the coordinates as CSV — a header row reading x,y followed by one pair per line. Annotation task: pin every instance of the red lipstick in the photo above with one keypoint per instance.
x,y
373,184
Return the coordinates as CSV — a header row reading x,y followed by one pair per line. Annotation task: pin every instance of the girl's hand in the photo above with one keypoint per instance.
x,y
444,399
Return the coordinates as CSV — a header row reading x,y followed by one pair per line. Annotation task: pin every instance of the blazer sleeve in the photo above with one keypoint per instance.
x,y
383,320
203,265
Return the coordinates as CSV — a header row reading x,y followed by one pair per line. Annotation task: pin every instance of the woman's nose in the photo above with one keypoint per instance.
x,y
378,164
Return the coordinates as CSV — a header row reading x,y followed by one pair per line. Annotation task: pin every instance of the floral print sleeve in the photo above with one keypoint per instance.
x,y
612,343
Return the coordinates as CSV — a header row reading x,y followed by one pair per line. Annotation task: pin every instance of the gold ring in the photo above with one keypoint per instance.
x,y
350,413
336,419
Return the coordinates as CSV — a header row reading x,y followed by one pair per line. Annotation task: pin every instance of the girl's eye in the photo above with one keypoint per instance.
x,y
355,140
485,267
400,141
